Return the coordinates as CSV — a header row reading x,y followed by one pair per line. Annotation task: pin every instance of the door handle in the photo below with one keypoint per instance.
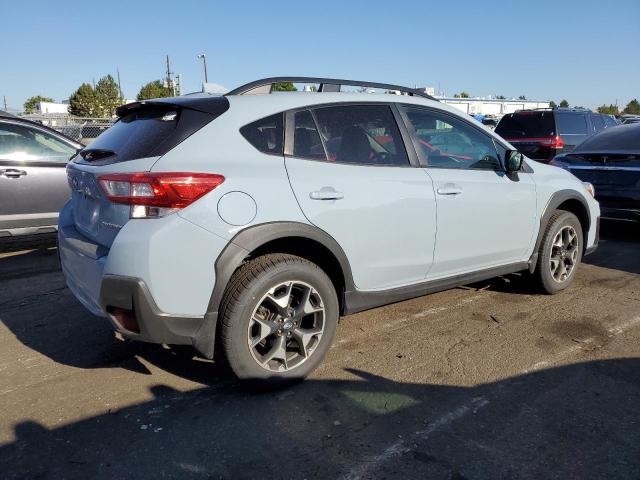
x,y
12,173
326,193
449,189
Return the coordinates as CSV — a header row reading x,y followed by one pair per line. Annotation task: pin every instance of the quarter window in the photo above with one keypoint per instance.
x,y
571,123
598,122
446,142
361,134
21,143
265,134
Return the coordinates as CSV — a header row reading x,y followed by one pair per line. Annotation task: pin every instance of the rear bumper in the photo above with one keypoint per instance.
x,y
594,246
154,325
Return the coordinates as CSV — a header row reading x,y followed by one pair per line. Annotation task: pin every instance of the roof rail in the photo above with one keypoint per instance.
x,y
326,85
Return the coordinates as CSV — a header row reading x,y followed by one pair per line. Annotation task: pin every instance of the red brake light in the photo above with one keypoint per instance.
x,y
554,142
158,189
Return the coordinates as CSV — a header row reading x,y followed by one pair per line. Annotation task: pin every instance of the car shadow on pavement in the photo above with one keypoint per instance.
x,y
576,421
619,247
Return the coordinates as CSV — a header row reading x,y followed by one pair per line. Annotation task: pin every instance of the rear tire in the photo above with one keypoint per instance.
x,y
278,318
560,252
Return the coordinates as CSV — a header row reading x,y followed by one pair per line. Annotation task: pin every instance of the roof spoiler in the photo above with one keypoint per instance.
x,y
206,103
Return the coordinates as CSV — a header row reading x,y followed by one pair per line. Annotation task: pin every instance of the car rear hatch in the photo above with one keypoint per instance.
x,y
531,132
616,176
144,132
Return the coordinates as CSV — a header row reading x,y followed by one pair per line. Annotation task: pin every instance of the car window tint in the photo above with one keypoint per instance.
x,y
623,138
527,124
265,134
571,123
21,143
306,139
447,142
609,122
363,134
598,122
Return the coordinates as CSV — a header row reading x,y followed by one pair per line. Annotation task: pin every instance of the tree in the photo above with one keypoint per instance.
x,y
522,97
552,104
564,104
633,107
107,96
155,89
461,95
83,102
500,97
32,102
284,87
608,109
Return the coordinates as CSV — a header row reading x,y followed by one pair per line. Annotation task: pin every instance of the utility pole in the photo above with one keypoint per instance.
x,y
119,87
170,85
5,102
204,62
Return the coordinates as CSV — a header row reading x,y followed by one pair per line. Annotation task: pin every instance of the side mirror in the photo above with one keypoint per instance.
x,y
513,161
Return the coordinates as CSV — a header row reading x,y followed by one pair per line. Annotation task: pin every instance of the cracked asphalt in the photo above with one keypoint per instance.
x,y
493,380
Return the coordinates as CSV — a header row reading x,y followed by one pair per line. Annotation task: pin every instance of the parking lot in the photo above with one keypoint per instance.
x,y
487,381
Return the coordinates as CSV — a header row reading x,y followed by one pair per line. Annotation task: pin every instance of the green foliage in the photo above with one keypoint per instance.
x,y
522,97
31,103
564,104
83,102
500,97
633,107
107,97
154,89
608,109
461,95
284,87
553,104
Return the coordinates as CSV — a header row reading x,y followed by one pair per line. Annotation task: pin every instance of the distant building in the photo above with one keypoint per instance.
x,y
486,105
52,107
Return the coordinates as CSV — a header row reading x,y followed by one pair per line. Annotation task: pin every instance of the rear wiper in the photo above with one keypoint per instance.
x,y
91,154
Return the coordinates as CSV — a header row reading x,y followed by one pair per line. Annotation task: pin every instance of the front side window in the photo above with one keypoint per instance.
x,y
446,142
598,122
265,134
361,134
21,143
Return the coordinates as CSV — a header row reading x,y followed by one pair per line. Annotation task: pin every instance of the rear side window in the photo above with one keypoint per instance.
x,y
266,134
21,143
361,134
306,139
527,125
609,122
571,123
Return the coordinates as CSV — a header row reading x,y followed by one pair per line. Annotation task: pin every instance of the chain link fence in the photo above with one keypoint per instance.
x,y
83,130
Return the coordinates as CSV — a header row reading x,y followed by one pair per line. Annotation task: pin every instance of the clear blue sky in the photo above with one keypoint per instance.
x,y
584,51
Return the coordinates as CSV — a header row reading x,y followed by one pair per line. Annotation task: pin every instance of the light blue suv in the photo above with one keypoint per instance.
x,y
247,224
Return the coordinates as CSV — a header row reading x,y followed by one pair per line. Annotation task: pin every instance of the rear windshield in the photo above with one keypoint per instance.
x,y
148,131
613,139
526,125
571,123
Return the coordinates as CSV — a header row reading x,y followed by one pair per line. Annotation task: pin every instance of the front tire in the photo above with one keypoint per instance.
x,y
278,318
560,252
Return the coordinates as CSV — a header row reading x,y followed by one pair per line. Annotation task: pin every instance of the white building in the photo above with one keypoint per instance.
x,y
492,106
52,107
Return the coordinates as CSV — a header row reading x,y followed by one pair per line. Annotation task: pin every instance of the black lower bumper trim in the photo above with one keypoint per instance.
x,y
594,247
131,293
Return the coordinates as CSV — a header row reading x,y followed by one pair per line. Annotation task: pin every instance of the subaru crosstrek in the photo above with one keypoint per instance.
x,y
247,224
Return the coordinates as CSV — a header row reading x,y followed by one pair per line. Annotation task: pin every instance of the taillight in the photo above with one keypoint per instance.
x,y
553,142
155,194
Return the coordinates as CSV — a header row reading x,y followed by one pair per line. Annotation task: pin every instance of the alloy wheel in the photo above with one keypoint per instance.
x,y
286,326
564,253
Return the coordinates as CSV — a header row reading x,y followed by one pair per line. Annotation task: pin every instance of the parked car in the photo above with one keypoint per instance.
x,y
611,162
33,181
248,223
541,134
630,119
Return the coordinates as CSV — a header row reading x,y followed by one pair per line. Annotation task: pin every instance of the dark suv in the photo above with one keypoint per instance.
x,y
542,134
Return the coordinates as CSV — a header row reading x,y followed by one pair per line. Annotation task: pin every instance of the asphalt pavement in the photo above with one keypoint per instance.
x,y
493,380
